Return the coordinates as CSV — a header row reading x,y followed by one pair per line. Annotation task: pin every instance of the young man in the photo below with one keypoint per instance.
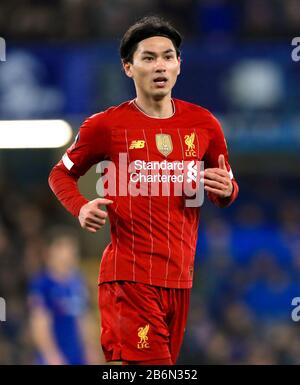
x,y
146,271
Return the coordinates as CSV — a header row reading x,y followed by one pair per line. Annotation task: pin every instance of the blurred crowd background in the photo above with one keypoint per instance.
x,y
97,19
62,62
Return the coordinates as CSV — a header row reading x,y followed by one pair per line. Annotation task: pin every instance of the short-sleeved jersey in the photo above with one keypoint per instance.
x,y
153,237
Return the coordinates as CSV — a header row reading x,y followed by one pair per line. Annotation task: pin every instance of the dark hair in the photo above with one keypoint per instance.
x,y
147,27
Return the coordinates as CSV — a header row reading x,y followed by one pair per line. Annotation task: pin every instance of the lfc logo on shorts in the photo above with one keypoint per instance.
x,y
164,144
142,334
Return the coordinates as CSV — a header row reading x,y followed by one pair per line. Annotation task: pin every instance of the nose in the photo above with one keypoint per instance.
x,y
160,65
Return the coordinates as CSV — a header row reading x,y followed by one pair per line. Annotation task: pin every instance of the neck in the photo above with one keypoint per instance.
x,y
59,275
162,108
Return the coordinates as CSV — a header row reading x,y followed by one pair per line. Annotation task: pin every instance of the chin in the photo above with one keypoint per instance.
x,y
160,94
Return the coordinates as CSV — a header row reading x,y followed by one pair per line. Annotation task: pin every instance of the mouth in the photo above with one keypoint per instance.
x,y
160,81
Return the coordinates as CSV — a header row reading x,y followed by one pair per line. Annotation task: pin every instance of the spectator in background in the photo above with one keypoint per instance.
x,y
260,19
58,305
181,13
218,20
291,17
66,20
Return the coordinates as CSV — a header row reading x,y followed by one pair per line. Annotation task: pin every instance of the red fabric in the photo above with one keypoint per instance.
x,y
153,238
125,307
225,202
66,189
164,361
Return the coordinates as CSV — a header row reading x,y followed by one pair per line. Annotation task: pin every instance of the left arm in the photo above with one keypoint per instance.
x,y
221,187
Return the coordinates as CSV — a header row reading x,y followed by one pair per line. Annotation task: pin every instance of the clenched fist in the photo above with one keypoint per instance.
x,y
91,217
217,180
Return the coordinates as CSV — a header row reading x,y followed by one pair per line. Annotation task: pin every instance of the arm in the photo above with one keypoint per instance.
x,y
219,182
90,147
89,334
65,187
41,330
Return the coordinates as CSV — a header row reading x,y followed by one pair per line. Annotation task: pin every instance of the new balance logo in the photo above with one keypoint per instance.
x,y
137,144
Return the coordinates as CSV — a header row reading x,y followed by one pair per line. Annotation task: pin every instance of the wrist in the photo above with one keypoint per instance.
x,y
79,204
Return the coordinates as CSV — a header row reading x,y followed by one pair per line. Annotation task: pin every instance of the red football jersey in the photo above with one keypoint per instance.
x,y
153,235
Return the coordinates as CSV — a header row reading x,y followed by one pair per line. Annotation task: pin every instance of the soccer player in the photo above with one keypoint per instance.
x,y
146,271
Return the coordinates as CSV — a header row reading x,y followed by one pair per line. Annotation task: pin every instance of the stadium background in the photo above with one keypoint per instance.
x,y
62,63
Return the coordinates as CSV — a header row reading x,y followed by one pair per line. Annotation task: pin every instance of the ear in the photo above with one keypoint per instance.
x,y
179,67
127,68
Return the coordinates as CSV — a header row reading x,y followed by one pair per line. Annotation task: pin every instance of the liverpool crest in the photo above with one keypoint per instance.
x,y
189,141
142,333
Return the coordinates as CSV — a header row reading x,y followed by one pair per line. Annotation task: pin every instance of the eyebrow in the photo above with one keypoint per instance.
x,y
170,50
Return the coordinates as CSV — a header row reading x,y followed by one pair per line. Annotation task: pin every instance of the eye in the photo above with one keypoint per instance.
x,y
148,58
169,57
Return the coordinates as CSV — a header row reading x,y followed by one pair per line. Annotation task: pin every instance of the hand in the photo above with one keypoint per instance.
x,y
55,358
91,217
217,180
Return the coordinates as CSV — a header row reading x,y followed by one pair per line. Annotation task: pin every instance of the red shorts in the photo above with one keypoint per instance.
x,y
140,322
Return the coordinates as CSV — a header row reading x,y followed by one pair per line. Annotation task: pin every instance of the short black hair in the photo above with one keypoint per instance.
x,y
147,27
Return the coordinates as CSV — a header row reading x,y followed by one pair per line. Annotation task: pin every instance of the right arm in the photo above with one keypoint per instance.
x,y
90,147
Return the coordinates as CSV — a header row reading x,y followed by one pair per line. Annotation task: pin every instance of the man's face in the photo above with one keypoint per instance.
x,y
155,67
63,255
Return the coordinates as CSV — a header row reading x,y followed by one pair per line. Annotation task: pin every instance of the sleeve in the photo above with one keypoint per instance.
x,y
90,147
216,147
36,293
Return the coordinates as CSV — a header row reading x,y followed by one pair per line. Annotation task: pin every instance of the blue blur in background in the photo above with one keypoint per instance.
x,y
236,62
